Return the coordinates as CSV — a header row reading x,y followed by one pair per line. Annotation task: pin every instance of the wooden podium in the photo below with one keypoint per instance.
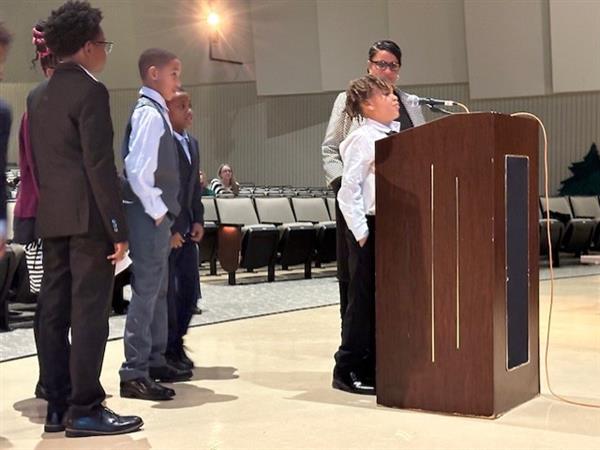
x,y
457,265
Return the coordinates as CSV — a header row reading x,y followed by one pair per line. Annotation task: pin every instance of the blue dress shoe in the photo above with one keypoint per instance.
x,y
54,421
103,422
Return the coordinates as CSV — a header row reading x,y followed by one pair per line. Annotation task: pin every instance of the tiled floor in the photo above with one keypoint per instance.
x,y
264,383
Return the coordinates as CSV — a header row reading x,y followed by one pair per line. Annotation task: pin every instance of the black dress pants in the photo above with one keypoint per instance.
x,y
75,295
357,350
184,291
343,274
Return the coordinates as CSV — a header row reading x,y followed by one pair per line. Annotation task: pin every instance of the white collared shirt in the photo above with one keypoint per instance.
x,y
184,140
356,197
89,73
147,128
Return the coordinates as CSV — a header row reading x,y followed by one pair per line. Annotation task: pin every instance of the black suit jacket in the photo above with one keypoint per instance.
x,y
190,193
72,141
5,123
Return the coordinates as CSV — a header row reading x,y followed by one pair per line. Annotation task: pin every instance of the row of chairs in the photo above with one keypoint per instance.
x,y
257,232
247,190
574,225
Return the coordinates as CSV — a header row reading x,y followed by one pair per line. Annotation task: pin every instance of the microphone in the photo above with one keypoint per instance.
x,y
414,100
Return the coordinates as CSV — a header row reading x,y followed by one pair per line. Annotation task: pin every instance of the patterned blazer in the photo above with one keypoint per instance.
x,y
340,126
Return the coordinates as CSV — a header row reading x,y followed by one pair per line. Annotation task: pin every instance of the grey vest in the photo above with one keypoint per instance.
x,y
166,176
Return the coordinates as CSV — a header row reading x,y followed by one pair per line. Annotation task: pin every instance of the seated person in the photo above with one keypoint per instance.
x,y
206,191
225,182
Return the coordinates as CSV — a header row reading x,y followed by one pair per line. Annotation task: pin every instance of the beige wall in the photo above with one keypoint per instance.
x,y
508,48
575,31
432,36
135,25
276,139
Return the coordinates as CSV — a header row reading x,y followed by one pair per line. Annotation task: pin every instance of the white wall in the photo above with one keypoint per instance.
x,y
346,29
575,31
286,46
431,34
508,48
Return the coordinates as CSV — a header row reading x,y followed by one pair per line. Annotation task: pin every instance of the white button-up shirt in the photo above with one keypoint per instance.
x,y
147,128
357,194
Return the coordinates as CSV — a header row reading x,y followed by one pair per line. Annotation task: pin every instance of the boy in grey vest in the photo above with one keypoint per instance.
x,y
151,188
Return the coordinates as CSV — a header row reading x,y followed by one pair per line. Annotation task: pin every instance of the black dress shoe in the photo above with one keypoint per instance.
x,y
351,381
145,389
103,422
169,374
54,421
40,391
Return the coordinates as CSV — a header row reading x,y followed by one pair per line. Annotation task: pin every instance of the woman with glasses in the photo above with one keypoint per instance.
x,y
384,61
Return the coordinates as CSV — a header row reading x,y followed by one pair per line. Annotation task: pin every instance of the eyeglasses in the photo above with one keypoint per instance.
x,y
108,46
394,67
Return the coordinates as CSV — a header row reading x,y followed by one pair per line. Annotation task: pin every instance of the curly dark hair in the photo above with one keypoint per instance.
x,y
360,90
72,25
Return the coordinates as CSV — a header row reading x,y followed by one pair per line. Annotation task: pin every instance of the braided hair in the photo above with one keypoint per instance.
x,y
360,90
43,54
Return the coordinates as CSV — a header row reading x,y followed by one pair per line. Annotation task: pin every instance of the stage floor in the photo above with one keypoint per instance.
x,y
264,383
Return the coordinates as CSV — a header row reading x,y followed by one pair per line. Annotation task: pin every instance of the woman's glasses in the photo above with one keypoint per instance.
x,y
393,66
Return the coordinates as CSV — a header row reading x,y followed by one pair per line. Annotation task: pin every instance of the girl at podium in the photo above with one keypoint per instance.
x,y
372,99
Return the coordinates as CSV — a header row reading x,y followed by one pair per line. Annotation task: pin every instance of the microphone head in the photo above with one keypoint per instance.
x,y
412,100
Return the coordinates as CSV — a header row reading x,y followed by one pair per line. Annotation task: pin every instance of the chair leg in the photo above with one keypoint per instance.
x,y
271,273
213,266
308,269
231,278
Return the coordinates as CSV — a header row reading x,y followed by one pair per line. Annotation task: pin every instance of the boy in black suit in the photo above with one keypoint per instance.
x,y
81,221
186,232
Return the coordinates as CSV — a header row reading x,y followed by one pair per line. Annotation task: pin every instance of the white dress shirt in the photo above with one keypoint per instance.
x,y
89,73
357,194
184,140
147,128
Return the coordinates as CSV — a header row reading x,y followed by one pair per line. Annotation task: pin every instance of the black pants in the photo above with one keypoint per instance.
x,y
76,291
184,291
357,350
343,274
